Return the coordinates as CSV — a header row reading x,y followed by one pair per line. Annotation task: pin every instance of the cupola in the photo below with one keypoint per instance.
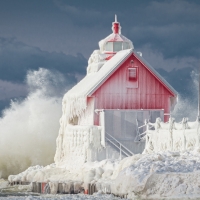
x,y
116,41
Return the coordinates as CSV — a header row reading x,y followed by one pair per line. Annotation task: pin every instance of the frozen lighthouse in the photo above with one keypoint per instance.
x,y
106,110
104,117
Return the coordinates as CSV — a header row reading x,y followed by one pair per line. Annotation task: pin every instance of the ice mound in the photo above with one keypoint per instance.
x,y
158,175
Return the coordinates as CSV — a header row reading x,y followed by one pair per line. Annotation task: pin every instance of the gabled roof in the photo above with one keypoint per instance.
x,y
155,73
76,98
90,83
94,80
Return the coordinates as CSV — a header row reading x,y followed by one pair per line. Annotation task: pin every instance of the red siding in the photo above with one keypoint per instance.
x,y
116,92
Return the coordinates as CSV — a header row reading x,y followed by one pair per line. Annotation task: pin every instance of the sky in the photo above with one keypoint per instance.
x,y
60,35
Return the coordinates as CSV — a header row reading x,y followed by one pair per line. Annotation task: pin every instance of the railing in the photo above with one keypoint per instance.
x,y
118,145
142,136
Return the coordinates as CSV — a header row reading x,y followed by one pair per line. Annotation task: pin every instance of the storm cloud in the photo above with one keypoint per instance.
x,y
16,58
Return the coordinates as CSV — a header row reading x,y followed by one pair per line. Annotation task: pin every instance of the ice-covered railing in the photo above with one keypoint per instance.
x,y
78,144
172,136
140,137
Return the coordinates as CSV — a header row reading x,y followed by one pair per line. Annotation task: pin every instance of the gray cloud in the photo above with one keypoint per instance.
x,y
157,59
16,58
9,90
169,26
181,80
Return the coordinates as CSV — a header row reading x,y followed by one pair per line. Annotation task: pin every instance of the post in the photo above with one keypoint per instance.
x,y
120,151
102,123
147,129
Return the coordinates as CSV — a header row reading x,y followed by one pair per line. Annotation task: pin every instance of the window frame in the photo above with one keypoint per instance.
x,y
130,78
112,45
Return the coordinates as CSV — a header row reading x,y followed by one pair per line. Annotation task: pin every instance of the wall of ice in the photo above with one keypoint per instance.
x,y
28,129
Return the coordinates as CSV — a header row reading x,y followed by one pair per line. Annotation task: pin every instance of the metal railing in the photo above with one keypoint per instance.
x,y
141,136
118,145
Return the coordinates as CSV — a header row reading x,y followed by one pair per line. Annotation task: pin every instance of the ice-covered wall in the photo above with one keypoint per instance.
x,y
172,136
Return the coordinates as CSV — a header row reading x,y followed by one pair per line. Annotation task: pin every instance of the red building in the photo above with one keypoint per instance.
x,y
118,78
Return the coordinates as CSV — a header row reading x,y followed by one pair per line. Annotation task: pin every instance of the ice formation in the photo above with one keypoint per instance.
x,y
78,144
173,136
148,176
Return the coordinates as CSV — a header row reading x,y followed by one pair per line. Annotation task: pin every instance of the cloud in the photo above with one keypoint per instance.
x,y
9,90
82,14
181,80
157,59
16,58
171,27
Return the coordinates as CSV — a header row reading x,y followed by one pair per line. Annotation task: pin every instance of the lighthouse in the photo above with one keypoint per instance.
x,y
108,107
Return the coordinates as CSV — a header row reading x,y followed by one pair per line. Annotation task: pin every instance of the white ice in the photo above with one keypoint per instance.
x,y
149,176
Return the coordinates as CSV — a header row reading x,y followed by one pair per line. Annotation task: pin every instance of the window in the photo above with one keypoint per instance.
x,y
109,46
132,74
117,46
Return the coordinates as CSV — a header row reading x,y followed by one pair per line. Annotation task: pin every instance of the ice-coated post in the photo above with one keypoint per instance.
x,y
147,130
120,152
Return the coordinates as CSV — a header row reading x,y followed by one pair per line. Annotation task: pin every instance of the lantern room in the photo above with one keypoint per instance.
x,y
116,41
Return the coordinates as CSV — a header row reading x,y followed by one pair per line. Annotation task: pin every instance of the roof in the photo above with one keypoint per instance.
x,y
93,80
76,98
155,73
90,83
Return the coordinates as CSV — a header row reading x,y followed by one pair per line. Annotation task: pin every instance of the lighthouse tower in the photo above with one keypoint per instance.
x,y
108,47
115,42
